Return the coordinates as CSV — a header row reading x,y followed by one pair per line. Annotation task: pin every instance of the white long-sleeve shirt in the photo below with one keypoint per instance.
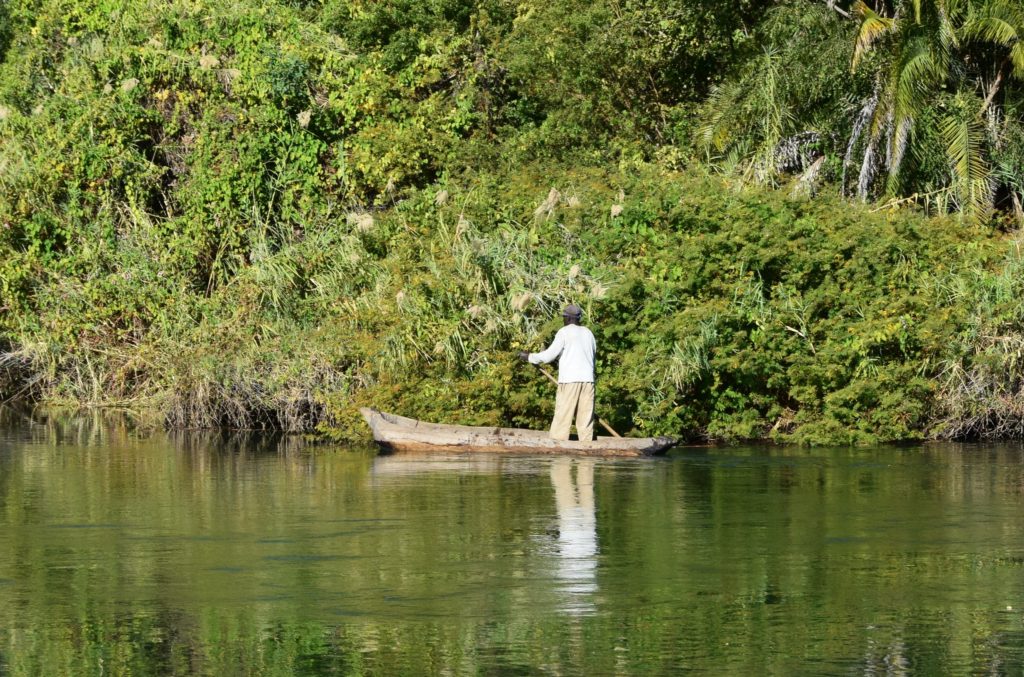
x,y
577,347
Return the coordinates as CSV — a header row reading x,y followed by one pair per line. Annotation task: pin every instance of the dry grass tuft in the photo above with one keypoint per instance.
x,y
547,207
361,221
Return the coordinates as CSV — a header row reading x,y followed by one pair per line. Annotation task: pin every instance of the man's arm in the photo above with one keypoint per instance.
x,y
553,351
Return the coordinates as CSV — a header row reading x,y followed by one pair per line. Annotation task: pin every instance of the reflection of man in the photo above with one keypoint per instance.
x,y
577,525
575,348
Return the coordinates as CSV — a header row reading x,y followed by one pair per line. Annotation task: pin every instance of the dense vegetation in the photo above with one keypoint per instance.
x,y
269,214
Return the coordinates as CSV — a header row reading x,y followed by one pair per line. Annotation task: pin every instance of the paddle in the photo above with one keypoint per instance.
x,y
599,419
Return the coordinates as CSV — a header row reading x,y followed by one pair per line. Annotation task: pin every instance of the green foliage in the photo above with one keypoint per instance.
x,y
783,320
5,30
268,217
719,315
915,101
980,384
798,82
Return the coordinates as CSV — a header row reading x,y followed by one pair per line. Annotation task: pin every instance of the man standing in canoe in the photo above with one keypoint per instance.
x,y
575,347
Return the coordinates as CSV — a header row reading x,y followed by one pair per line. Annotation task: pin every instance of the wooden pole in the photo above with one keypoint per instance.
x,y
599,419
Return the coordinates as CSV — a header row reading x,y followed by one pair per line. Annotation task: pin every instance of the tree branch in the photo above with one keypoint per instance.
x,y
832,5
994,89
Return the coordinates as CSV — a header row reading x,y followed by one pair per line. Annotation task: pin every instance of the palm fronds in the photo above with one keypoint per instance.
x,y
999,22
873,27
972,177
929,63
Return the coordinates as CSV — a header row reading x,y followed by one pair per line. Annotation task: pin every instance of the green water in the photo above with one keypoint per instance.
x,y
130,554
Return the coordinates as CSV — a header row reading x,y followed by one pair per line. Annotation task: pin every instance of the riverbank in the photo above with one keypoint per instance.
x,y
721,314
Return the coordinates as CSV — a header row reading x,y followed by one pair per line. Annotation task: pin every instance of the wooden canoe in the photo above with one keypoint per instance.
x,y
398,433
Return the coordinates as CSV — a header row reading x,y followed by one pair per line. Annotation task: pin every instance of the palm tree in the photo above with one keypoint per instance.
x,y
776,115
947,61
999,23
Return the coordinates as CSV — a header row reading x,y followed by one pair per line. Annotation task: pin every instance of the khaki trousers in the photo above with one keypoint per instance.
x,y
573,398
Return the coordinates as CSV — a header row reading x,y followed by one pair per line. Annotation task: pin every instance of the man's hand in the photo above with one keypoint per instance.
x,y
523,355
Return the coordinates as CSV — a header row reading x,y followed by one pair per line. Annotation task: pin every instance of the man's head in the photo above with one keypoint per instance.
x,y
572,314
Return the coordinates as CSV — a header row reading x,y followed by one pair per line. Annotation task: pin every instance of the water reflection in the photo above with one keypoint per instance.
x,y
574,542
198,554
577,532
402,465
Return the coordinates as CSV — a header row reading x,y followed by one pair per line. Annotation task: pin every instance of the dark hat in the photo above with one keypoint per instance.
x,y
572,311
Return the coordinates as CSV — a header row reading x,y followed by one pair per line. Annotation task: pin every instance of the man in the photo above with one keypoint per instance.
x,y
575,347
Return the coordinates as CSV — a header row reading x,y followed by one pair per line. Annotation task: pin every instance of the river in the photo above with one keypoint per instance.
x,y
131,553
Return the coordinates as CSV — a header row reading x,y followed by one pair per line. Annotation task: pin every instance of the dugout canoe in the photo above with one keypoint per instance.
x,y
400,434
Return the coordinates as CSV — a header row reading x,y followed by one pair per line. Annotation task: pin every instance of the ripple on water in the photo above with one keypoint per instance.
x,y
309,558
88,526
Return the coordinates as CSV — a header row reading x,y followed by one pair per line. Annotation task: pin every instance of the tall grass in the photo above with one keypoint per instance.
x,y
981,382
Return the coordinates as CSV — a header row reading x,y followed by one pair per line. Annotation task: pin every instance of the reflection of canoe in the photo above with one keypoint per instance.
x,y
398,433
445,462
